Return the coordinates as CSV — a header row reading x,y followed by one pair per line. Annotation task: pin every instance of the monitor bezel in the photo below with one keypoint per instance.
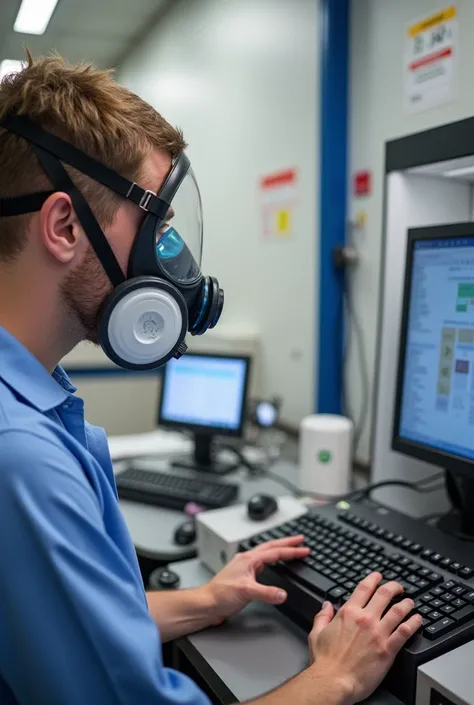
x,y
204,429
455,463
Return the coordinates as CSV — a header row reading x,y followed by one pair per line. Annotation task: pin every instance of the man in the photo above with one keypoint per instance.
x,y
75,263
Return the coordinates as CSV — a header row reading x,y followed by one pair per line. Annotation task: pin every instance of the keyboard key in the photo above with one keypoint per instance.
x,y
415,548
336,593
459,590
407,544
465,572
413,579
436,604
413,567
404,562
455,567
426,622
447,597
436,558
470,596
445,563
426,554
433,631
437,591
458,603
389,536
390,575
464,615
424,572
435,578
449,585
425,610
426,598
448,609
346,597
434,616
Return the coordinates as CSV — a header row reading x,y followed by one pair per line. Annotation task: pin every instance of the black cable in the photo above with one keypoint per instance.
x,y
355,495
423,486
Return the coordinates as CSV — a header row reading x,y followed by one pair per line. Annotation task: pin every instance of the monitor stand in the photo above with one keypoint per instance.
x,y
203,459
459,522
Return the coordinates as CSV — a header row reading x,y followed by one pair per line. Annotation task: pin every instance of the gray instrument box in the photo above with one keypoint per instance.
x,y
447,680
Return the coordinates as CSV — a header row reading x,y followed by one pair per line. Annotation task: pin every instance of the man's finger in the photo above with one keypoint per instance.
x,y
404,632
383,597
395,615
364,591
273,555
265,593
275,543
322,619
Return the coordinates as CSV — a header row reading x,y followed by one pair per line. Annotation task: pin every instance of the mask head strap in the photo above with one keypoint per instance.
x,y
22,126
49,149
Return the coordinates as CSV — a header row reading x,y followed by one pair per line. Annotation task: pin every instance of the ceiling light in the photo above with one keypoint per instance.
x,y
34,15
10,66
463,171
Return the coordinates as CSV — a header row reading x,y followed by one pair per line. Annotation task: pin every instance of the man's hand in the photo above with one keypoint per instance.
x,y
236,585
358,645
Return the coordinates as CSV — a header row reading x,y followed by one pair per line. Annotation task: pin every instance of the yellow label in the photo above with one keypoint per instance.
x,y
283,222
438,18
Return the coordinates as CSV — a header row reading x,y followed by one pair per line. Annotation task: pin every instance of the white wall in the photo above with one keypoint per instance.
x,y
377,45
241,79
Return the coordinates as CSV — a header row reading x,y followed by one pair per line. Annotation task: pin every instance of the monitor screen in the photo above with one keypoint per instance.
x,y
203,390
436,406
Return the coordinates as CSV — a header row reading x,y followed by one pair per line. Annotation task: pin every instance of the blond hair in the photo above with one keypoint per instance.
x,y
86,107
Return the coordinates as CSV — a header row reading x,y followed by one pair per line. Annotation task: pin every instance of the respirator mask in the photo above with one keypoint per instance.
x,y
145,319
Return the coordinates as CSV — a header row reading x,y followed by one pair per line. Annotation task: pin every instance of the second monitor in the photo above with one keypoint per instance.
x,y
205,394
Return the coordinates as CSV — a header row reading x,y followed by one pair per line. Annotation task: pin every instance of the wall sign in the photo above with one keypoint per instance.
x,y
362,183
278,193
431,49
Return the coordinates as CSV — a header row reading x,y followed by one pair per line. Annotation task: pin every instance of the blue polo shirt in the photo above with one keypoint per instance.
x,y
74,622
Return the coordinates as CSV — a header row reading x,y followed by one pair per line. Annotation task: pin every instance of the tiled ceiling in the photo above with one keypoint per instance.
x,y
97,31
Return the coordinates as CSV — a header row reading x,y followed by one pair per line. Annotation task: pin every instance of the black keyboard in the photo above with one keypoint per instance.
x,y
436,571
173,491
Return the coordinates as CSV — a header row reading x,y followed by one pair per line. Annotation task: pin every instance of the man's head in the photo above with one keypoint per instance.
x,y
88,109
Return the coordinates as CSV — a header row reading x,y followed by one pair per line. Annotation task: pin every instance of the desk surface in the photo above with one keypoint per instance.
x,y
152,528
254,652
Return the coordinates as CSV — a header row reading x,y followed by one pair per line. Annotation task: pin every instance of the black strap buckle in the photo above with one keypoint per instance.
x,y
145,200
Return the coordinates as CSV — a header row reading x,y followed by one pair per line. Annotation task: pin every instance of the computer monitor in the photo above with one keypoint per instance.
x,y
205,394
434,407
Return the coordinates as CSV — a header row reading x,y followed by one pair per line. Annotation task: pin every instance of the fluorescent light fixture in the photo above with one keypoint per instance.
x,y
10,66
463,171
34,15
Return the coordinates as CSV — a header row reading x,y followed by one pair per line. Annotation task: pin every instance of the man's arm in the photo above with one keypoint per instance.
x,y
182,612
178,613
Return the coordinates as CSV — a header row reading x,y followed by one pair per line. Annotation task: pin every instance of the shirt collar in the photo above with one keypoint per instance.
x,y
23,373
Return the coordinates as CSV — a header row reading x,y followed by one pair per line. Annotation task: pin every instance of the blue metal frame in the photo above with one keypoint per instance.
x,y
334,42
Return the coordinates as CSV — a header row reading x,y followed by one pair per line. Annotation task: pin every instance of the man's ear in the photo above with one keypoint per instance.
x,y
60,229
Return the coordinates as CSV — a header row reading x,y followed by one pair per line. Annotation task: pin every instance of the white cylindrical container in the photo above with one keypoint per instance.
x,y
325,454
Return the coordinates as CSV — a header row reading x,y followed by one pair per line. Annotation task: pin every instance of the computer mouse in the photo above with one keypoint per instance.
x,y
185,533
261,506
168,579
